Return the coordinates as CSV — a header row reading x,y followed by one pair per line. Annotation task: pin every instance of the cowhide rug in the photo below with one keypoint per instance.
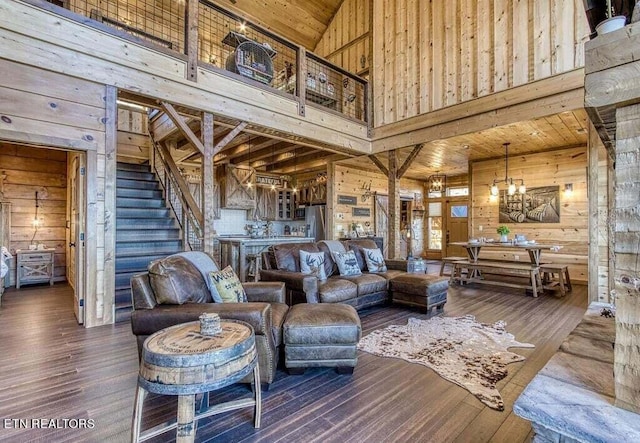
x,y
470,354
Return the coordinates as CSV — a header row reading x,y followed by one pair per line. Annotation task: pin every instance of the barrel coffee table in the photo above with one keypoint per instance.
x,y
181,361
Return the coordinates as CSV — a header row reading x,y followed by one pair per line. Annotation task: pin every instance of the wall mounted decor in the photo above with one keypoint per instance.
x,y
536,205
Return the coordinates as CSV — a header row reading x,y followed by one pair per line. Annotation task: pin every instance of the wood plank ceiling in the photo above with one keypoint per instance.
x,y
452,156
300,21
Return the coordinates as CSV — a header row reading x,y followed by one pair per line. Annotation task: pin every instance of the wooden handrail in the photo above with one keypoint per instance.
x,y
184,195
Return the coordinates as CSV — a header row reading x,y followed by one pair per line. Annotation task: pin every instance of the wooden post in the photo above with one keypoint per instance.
x,y
91,242
191,12
301,79
394,206
111,141
627,249
592,199
208,179
331,201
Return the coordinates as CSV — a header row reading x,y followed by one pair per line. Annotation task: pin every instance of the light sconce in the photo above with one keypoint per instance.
x,y
568,188
509,181
36,220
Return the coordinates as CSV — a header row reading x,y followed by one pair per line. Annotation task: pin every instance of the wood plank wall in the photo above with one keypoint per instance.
x,y
133,136
347,40
29,170
348,181
429,55
542,169
55,110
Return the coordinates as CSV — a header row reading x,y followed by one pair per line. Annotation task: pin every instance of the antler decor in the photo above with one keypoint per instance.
x,y
366,187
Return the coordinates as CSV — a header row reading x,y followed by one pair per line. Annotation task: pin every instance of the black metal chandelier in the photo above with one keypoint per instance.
x,y
509,181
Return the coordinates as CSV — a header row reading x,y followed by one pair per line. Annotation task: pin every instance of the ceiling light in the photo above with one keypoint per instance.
x,y
509,181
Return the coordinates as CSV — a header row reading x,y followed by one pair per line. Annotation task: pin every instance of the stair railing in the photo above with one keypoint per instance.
x,y
179,198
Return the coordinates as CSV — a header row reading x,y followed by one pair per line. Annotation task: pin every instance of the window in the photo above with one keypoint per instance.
x,y
458,192
459,211
434,226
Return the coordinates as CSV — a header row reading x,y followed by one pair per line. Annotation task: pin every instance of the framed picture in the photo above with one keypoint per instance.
x,y
360,231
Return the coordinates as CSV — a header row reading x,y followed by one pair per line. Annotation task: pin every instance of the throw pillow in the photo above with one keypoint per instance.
x,y
347,263
227,286
313,263
175,280
375,260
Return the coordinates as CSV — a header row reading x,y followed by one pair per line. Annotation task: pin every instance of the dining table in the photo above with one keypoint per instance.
x,y
534,249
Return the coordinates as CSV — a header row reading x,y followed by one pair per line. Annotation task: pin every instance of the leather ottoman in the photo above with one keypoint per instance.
x,y
420,290
321,335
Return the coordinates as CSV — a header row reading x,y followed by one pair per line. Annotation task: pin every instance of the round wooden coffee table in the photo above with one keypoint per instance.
x,y
181,361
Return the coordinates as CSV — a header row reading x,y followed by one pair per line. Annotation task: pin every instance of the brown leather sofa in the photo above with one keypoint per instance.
x,y
180,278
282,263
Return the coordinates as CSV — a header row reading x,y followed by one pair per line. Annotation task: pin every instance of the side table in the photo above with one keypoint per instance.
x,y
180,361
412,266
34,266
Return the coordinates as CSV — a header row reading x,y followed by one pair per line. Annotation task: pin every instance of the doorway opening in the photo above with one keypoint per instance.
x,y
43,190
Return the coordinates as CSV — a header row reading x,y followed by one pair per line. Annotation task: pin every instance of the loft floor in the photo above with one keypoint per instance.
x,y
52,368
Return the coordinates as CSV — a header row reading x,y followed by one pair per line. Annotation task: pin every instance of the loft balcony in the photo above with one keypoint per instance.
x,y
230,45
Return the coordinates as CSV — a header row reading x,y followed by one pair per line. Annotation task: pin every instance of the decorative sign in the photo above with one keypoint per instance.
x,y
361,212
347,200
269,180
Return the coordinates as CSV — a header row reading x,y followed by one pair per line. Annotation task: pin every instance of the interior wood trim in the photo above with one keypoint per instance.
x,y
560,93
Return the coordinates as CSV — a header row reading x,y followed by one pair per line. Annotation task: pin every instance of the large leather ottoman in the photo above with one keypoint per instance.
x,y
420,290
321,335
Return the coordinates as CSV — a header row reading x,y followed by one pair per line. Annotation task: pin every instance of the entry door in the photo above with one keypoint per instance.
x,y
75,251
457,227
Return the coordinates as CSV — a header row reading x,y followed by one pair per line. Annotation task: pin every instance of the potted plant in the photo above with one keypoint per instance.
x,y
503,231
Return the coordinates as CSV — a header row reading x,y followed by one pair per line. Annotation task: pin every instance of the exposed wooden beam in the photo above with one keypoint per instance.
x,y
412,156
184,128
277,149
393,229
208,180
379,164
227,139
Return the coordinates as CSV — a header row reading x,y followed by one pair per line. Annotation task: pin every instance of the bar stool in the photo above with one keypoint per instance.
x,y
253,268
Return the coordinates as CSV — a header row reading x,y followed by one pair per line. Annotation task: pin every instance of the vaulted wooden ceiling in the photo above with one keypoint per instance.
x,y
301,21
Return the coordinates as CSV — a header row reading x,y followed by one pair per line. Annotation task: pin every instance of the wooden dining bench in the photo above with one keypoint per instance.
x,y
498,267
449,261
548,272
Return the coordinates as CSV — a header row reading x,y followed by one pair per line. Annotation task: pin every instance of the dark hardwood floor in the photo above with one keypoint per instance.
x,y
51,368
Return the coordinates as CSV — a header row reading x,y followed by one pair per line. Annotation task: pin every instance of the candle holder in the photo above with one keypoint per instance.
x,y
210,324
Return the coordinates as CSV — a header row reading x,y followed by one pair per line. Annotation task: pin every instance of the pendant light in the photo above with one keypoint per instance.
x,y
509,181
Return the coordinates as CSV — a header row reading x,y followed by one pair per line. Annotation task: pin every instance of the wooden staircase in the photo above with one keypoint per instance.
x,y
146,229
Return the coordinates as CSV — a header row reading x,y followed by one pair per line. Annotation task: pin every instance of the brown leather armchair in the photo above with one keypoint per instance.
x,y
265,310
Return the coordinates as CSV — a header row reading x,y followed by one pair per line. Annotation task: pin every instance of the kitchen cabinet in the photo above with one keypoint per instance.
x,y
286,204
266,205
237,187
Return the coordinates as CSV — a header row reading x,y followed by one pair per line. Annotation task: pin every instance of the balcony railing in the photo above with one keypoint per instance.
x,y
229,44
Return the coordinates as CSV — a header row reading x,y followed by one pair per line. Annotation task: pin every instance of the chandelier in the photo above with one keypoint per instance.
x,y
436,182
509,181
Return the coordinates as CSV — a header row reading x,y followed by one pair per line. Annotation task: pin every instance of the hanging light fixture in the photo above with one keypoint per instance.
x,y
249,181
294,180
509,181
437,182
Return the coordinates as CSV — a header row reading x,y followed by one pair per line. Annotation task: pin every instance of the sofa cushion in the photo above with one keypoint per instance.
x,y
175,280
347,263
374,260
336,290
226,285
313,263
329,247
357,246
367,283
288,255
391,273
